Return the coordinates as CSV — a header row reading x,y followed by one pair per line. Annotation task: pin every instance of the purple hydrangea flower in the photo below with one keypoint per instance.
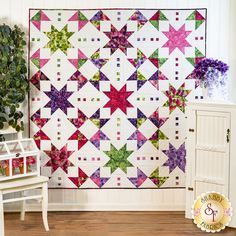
x,y
210,72
208,68
203,66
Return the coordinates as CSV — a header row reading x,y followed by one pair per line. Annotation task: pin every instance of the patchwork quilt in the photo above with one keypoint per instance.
x,y
108,92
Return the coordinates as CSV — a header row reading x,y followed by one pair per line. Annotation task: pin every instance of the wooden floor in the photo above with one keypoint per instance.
x,y
105,224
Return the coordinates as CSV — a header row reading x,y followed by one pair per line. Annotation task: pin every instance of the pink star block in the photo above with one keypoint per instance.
x,y
79,137
118,99
37,60
177,39
36,118
80,179
40,135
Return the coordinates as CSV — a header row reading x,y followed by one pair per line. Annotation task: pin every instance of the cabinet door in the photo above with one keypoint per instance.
x,y
190,157
208,154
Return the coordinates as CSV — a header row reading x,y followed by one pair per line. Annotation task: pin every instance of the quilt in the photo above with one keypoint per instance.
x,y
108,92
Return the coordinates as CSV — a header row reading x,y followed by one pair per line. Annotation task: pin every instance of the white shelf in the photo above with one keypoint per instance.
x,y
7,130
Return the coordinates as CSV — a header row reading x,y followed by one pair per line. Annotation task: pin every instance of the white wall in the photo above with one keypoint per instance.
x,y
232,49
220,44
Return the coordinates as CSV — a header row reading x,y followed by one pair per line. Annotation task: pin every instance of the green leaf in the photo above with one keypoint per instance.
x,y
10,122
3,119
18,83
13,80
21,115
13,109
16,116
7,82
18,128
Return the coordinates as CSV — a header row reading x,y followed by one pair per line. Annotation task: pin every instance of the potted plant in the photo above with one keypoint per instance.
x,y
21,165
15,164
212,76
4,166
13,79
30,161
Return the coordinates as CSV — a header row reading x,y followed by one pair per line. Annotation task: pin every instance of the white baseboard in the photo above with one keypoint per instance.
x,y
110,200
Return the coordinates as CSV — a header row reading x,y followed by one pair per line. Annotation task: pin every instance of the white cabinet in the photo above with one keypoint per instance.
x,y
211,152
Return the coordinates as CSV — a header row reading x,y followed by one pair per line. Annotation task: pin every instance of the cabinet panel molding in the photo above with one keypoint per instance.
x,y
211,152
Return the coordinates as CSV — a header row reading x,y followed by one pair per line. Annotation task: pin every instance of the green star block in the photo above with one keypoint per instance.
x,y
198,56
37,16
159,17
59,39
156,137
118,158
157,179
156,59
193,15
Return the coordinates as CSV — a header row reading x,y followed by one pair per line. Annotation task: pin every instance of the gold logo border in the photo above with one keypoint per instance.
x,y
228,204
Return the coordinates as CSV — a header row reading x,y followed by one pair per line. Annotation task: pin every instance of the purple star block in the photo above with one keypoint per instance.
x,y
139,180
58,99
97,179
176,157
